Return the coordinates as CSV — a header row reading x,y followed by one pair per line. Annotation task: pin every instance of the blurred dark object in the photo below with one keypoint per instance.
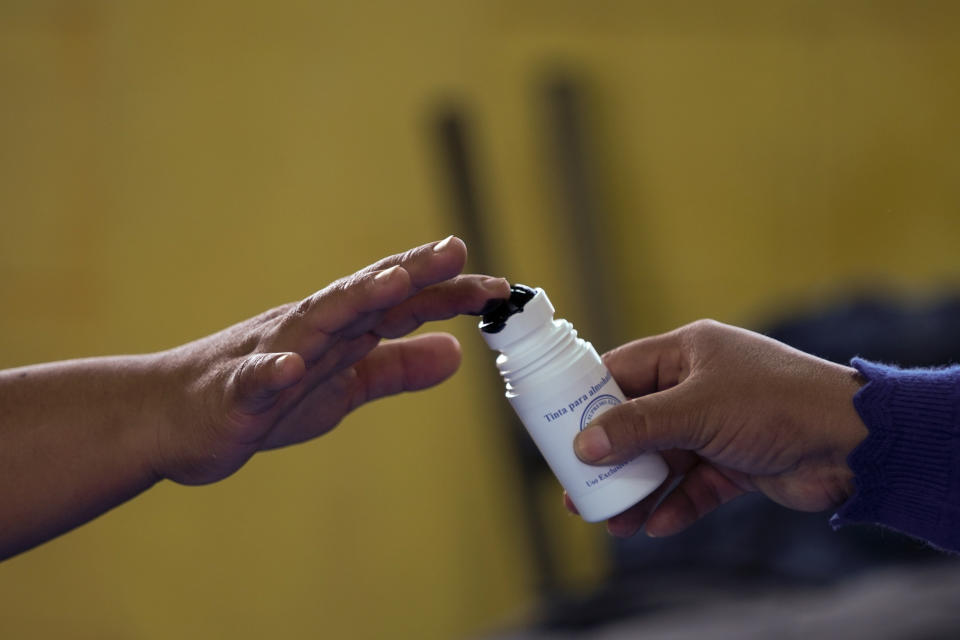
x,y
916,602
458,163
579,209
880,329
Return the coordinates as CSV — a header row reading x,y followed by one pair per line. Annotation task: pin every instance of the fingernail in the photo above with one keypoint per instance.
x,y
592,444
386,274
650,535
443,244
281,361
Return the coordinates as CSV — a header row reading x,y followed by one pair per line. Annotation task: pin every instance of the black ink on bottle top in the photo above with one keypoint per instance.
x,y
496,319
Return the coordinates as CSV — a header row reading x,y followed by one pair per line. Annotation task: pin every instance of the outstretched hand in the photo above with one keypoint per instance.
x,y
79,437
292,373
731,411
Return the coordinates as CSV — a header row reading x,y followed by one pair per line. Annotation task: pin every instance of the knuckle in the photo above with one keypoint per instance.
x,y
240,378
270,315
341,286
637,428
401,259
303,307
702,332
249,366
703,326
335,289
627,428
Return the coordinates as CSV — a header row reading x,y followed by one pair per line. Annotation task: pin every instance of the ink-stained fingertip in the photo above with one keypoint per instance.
x,y
488,306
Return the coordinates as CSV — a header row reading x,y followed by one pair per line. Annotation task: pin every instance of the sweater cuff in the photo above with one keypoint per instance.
x,y
905,470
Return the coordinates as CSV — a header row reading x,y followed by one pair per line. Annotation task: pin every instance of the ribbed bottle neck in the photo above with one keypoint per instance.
x,y
541,356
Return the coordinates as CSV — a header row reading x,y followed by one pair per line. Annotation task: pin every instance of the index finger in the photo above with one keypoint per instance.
x,y
427,264
398,276
648,365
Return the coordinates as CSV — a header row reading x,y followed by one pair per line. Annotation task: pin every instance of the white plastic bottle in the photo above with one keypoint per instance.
x,y
557,384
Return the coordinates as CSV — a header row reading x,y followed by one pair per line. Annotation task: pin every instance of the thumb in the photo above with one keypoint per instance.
x,y
664,420
261,377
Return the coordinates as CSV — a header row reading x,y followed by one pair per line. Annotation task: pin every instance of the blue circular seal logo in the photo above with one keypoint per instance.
x,y
598,404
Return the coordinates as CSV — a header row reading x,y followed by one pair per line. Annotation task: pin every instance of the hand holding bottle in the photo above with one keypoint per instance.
x,y
731,411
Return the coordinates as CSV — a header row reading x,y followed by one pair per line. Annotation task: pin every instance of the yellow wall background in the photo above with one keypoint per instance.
x,y
169,168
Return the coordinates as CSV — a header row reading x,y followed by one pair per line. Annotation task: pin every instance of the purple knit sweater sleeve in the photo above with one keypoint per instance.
x,y
907,470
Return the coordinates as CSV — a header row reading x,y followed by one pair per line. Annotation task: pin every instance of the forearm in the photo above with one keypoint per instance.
x,y
76,439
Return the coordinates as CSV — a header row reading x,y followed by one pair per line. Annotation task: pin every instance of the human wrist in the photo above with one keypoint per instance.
x,y
165,374
845,426
818,403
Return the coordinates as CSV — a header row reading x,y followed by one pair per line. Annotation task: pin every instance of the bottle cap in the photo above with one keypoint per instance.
x,y
524,312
